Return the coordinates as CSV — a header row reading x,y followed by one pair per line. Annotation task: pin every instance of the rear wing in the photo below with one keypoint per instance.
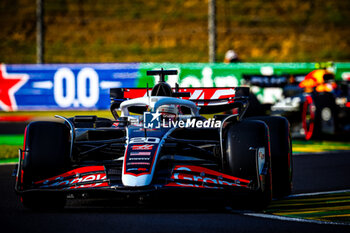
x,y
209,99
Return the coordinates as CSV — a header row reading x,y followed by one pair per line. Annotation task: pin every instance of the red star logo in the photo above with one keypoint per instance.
x,y
9,84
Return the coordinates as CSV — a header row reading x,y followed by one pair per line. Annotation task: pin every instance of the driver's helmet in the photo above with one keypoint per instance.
x,y
168,112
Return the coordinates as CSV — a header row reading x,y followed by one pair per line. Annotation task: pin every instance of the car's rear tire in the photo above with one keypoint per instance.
x,y
242,140
46,149
325,118
281,154
319,115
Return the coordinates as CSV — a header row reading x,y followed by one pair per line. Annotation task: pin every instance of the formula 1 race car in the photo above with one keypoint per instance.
x,y
159,143
316,104
316,113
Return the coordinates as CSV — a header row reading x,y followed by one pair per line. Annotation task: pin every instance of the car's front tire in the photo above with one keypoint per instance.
x,y
46,154
242,140
281,154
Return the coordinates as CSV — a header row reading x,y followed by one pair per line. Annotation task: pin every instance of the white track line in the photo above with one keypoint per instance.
x,y
317,193
283,218
290,219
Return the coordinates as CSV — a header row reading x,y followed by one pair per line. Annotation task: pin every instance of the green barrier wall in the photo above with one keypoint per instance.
x,y
220,74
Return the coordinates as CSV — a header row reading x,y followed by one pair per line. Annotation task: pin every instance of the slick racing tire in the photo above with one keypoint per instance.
x,y
46,152
325,116
281,154
319,115
242,140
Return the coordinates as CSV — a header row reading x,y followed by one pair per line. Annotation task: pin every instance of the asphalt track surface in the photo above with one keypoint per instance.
x,y
312,173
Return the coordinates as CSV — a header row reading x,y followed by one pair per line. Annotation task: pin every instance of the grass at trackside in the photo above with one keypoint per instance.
x,y
300,146
9,145
11,160
9,151
333,207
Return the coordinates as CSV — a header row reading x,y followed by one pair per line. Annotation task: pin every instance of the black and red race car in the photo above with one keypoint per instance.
x,y
159,143
316,104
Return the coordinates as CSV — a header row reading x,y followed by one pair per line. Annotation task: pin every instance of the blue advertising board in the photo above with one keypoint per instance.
x,y
62,86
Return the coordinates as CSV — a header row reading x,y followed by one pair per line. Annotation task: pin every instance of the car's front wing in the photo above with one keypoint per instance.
x,y
94,178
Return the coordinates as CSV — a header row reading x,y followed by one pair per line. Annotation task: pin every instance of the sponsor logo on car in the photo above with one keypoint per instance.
x,y
137,169
139,158
140,153
77,180
144,140
216,179
104,184
139,163
142,147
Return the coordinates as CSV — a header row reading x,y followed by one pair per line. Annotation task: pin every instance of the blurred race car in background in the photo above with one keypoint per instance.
x,y
159,143
316,105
